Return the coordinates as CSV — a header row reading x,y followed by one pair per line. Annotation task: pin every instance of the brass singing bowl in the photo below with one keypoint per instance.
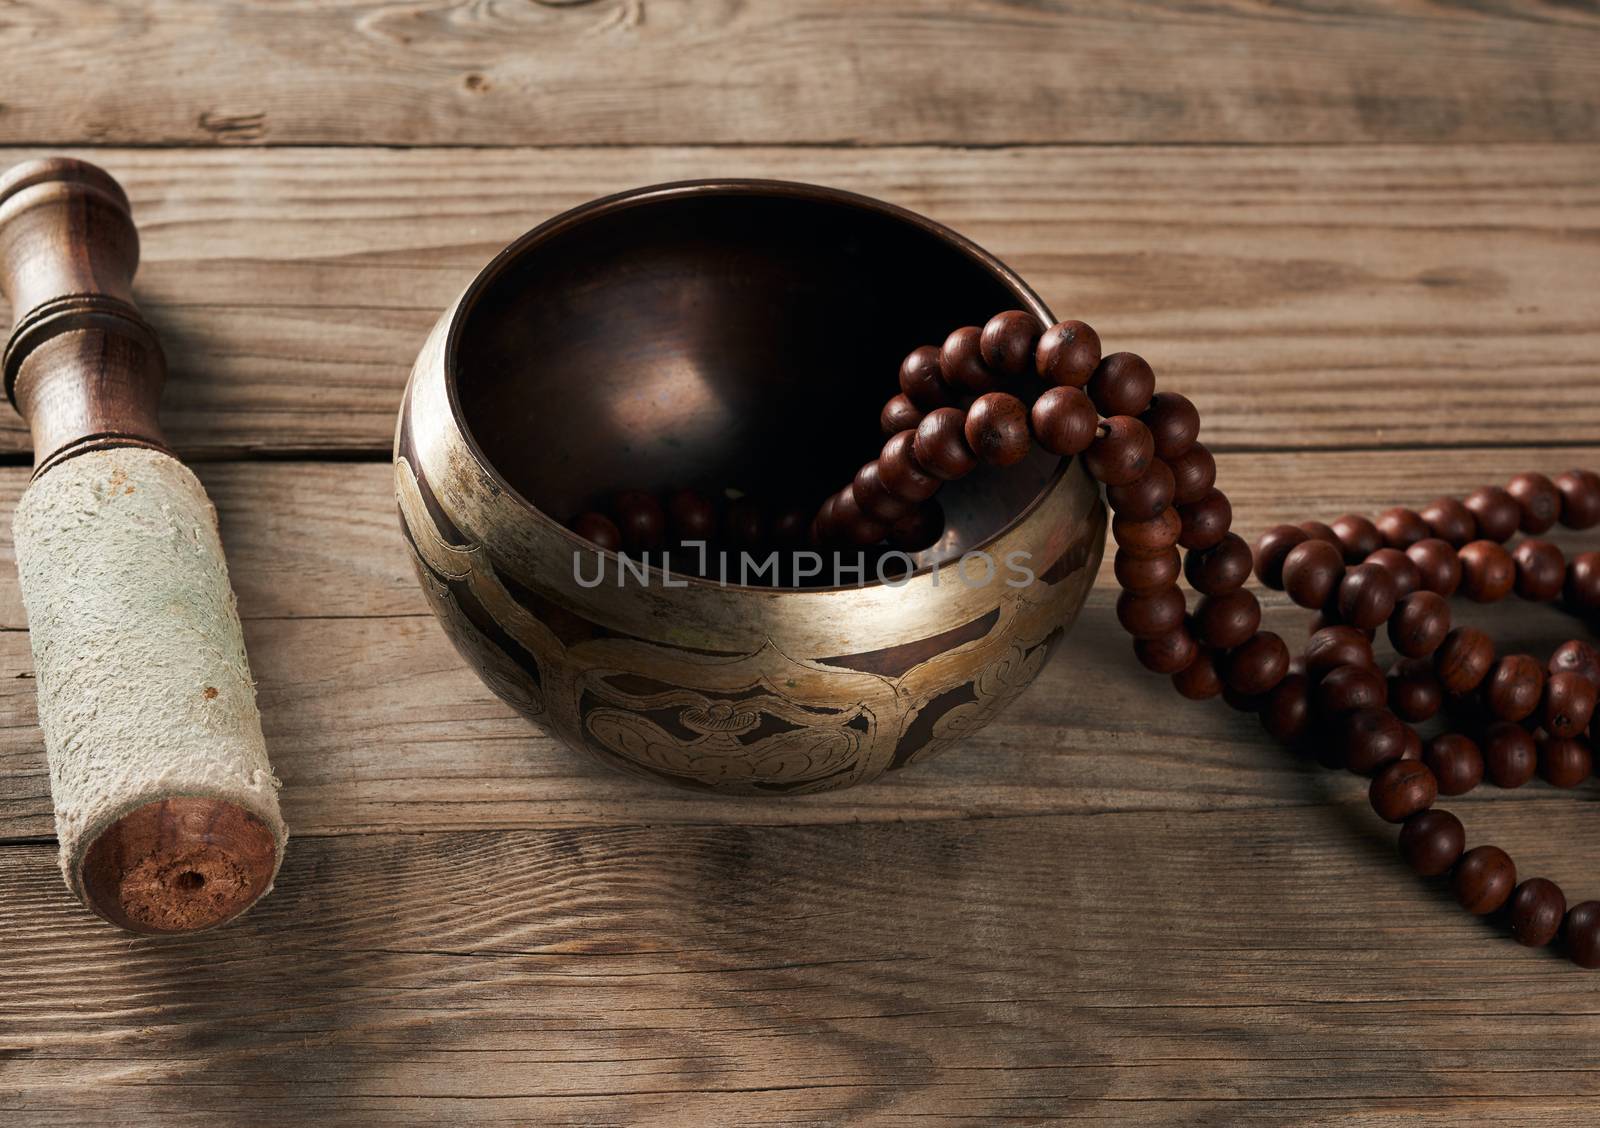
x,y
711,335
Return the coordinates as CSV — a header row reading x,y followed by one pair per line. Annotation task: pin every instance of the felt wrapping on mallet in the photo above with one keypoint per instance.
x,y
145,694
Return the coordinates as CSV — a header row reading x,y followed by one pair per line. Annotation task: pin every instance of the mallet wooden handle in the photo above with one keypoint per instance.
x,y
166,807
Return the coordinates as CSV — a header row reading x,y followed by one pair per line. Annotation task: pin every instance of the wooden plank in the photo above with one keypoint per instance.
x,y
609,72
374,723
1322,297
1222,967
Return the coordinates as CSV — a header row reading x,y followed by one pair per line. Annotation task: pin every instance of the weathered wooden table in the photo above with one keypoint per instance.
x,y
1364,237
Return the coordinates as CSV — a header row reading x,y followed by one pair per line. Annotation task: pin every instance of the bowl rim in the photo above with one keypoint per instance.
x,y
668,191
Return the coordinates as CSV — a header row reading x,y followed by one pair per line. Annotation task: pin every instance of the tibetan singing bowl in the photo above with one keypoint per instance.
x,y
735,334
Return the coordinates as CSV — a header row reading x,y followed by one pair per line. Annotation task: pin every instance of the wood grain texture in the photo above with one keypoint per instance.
x,y
539,72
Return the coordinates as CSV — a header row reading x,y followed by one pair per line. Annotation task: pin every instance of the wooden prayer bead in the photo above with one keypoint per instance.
x,y
941,446
1568,704
997,429
854,525
1407,576
1349,688
1579,657
1224,567
1463,660
1456,762
1581,934
919,530
1259,664
899,414
1121,452
746,523
1438,565
1401,789
1202,678
640,519
1332,647
874,496
691,516
1316,530
1483,879
1487,572
1583,582
1541,570
1450,521
1174,423
1242,702
825,526
961,362
1431,841
1227,620
1510,755
1414,690
1366,596
1152,615
1514,687
1580,498
1169,653
789,526
1143,573
1272,549
1147,497
1535,912
899,470
1358,537
1122,384
1067,354
1413,749
1498,514
922,381
1402,527
1539,499
1206,521
1009,341
1564,761
598,529
1286,714
1064,421
1370,738
1155,535
1312,572
1195,472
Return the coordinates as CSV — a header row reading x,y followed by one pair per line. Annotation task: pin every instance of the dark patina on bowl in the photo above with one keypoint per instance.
x,y
704,334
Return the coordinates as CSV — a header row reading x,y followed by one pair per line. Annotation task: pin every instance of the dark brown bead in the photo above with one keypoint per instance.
x,y
1370,738
746,523
941,444
1583,582
640,519
598,529
1580,498
1568,705
1155,535
1535,912
1450,521
1366,596
1407,577
825,526
1206,521
1122,384
853,525
1539,499
1224,621
1541,570
1358,537
1009,341
1510,756
1564,761
1413,749
922,381
961,362
1438,565
1152,615
1316,530
1202,678
1169,653
1332,647
789,526
1312,573
691,516
1242,702
1067,354
1145,497
1498,514
1174,423
900,471
997,429
1258,665
1286,714
1194,472
1349,688
1143,573
1402,527
899,414
1483,879
1463,660
1456,762
1579,657
1414,691
1272,549
1224,567
1064,421
1401,789
1121,452
919,530
1514,687
874,496
1581,934
1487,572
1431,841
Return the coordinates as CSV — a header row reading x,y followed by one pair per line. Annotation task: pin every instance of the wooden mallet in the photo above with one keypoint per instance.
x,y
166,807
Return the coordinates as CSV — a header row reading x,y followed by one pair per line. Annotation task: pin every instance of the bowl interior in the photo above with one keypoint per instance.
x,y
726,337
